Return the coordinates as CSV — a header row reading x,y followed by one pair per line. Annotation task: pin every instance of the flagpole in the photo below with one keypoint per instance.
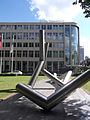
x,y
12,63
1,53
1,63
12,54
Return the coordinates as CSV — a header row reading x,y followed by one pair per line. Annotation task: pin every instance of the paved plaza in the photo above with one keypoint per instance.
x,y
18,107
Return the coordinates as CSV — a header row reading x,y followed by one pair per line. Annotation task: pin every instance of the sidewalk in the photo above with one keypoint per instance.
x,y
78,105
75,107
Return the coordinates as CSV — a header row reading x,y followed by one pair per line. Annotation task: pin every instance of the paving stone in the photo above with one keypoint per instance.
x,y
75,107
78,105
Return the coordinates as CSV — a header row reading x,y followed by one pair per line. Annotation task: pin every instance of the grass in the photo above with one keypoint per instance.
x,y
8,84
87,87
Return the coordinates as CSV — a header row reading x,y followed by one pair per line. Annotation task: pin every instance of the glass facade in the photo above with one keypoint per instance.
x,y
74,45
71,45
67,44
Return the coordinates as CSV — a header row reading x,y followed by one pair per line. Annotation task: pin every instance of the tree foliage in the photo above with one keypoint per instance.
x,y
84,4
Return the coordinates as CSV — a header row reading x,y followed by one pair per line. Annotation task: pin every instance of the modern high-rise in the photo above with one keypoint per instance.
x,y
63,38
81,54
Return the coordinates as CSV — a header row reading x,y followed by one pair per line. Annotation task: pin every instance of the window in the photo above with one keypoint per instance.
x,y
49,35
25,35
3,35
3,44
2,27
18,65
55,45
31,36
25,44
25,27
36,44
55,36
7,65
58,45
37,27
50,44
19,27
8,36
7,44
61,54
30,53
19,53
49,54
24,66
1,53
25,53
61,36
30,67
14,53
49,66
14,44
67,44
43,27
61,64
7,53
8,27
36,53
36,35
67,30
14,36
55,27
19,35
31,44
61,27
49,27
31,27
62,45
19,44
36,62
55,54
55,66
15,27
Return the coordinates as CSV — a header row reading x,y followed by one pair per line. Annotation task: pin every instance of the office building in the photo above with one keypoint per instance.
x,y
81,54
63,38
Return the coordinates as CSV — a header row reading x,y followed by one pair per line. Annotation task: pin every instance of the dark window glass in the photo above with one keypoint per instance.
x,y
30,53
19,44
25,44
36,53
31,44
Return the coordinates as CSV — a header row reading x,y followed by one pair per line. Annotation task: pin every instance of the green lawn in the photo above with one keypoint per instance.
x,y
8,84
87,86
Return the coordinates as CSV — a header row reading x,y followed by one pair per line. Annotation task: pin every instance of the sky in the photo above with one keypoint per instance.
x,y
37,10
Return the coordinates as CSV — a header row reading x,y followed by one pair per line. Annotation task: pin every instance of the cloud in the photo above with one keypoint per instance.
x,y
85,42
54,9
61,10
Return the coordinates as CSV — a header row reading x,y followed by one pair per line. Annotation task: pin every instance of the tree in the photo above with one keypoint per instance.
x,y
85,4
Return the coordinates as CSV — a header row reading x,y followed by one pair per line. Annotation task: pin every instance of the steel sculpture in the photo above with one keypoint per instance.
x,y
47,103
41,58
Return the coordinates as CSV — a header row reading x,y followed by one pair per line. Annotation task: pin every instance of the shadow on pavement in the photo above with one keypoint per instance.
x,y
20,108
77,109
